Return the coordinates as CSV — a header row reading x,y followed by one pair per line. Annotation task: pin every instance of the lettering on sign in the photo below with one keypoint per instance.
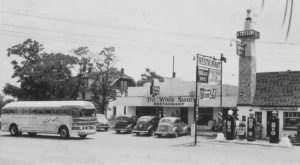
x,y
214,76
169,101
209,63
203,75
278,108
207,93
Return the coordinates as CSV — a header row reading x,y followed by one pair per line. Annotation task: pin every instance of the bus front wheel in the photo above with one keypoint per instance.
x,y
13,129
64,132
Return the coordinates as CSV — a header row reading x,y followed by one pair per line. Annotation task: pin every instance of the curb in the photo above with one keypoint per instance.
x,y
252,143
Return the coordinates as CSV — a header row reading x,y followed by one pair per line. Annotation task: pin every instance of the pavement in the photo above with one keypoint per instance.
x,y
109,148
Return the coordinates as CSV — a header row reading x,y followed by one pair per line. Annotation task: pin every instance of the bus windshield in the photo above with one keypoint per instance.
x,y
84,113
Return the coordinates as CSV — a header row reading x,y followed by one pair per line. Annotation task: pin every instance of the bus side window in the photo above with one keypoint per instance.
x,y
48,112
26,111
33,111
12,111
19,111
5,111
39,112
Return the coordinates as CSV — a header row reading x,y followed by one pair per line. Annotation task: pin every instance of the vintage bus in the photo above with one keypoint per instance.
x,y
66,118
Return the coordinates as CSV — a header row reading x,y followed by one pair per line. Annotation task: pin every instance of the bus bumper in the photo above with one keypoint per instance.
x,y
88,131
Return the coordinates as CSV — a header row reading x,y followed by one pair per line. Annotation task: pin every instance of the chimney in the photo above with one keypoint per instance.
x,y
122,72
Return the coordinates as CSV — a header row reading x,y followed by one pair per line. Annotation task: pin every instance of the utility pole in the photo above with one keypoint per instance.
x,y
196,101
221,83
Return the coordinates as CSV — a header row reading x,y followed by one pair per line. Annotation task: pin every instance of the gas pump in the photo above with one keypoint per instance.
x,y
230,126
274,131
251,127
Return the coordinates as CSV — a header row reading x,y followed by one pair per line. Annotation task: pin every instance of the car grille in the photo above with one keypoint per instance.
x,y
142,126
164,128
121,124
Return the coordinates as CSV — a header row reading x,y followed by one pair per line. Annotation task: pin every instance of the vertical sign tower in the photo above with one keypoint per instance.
x,y
247,63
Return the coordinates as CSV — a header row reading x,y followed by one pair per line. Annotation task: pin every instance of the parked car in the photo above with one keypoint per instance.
x,y
102,123
125,123
172,126
146,125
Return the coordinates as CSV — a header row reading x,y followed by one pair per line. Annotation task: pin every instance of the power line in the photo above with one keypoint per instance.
x,y
173,46
162,51
135,29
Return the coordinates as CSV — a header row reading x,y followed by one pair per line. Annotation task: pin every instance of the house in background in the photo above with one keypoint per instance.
x,y
119,81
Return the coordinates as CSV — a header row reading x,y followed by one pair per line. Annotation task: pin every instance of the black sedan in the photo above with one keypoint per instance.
x,y
146,125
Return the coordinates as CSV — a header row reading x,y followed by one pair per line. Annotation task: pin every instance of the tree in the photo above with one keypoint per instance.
x,y
104,69
85,66
3,102
42,76
148,76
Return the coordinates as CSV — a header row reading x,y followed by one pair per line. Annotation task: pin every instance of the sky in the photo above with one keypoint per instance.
x,y
147,34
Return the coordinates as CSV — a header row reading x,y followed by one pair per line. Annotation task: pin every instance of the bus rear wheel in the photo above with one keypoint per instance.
x,y
13,129
64,132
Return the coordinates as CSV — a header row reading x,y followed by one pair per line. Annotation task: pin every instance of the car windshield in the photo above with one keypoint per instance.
x,y
168,121
101,118
123,118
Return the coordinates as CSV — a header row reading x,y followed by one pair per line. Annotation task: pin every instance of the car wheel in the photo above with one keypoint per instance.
x,y
13,130
105,129
83,136
117,132
64,132
151,132
137,134
176,134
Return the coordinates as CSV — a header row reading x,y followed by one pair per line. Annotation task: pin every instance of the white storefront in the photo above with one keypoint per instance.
x,y
176,98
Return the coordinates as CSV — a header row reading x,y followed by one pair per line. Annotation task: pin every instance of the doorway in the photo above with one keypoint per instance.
x,y
184,114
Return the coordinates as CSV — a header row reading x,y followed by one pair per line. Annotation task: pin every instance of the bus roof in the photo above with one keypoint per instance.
x,y
52,104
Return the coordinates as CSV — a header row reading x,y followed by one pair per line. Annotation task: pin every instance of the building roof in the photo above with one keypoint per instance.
x,y
114,77
50,104
277,89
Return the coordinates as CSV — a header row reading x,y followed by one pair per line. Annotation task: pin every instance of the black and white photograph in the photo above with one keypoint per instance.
x,y
149,82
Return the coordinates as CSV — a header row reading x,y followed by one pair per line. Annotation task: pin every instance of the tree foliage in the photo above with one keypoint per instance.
x,y
42,76
148,76
104,69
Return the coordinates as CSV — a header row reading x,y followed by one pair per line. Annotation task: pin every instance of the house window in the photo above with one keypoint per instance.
x,y
85,82
83,95
114,110
291,120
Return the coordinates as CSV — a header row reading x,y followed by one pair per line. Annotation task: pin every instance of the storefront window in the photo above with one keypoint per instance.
x,y
291,120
